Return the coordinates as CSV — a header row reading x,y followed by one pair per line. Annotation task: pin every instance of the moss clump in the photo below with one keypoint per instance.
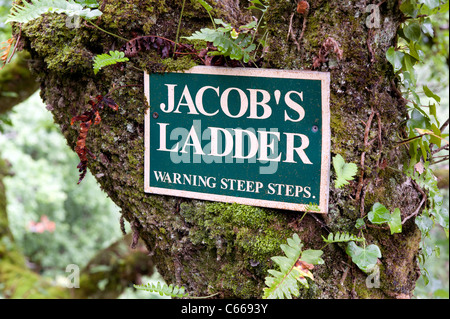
x,y
244,238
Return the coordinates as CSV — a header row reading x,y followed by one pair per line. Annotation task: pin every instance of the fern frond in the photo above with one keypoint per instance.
x,y
341,238
164,289
345,172
294,268
34,9
102,60
237,48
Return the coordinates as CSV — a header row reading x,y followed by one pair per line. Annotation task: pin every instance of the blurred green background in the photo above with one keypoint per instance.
x,y
56,222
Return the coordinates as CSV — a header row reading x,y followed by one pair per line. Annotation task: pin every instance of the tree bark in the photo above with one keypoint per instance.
x,y
17,83
226,248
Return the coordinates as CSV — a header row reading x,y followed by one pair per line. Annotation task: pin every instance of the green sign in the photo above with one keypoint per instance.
x,y
259,137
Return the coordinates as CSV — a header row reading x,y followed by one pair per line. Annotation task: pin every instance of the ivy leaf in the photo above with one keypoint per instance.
x,y
427,27
379,214
344,171
424,223
365,258
360,223
413,31
429,93
408,8
443,219
395,58
395,224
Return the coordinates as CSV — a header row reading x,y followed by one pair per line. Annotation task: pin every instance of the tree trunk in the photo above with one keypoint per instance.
x,y
16,82
226,248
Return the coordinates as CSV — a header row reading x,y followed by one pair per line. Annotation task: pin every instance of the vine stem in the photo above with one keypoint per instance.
x,y
15,46
204,297
103,30
179,23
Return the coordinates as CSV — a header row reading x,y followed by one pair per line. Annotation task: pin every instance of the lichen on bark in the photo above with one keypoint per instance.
x,y
226,248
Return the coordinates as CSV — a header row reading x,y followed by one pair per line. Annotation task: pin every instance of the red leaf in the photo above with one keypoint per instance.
x,y
86,119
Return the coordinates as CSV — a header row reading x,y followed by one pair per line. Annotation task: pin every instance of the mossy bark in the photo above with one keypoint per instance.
x,y
226,248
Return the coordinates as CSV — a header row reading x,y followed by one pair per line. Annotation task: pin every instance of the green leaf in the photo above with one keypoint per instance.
x,y
360,223
105,59
205,5
365,258
344,171
379,214
430,94
395,58
408,8
408,66
424,223
431,4
443,219
88,3
395,224
413,31
427,27
418,119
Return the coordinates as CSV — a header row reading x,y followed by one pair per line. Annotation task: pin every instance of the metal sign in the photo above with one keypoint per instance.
x,y
259,137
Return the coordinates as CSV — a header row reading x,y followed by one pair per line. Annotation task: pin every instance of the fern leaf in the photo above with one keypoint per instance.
x,y
236,48
164,289
345,172
341,238
102,60
34,9
293,270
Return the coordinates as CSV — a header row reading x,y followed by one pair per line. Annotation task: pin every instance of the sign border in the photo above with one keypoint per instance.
x,y
324,77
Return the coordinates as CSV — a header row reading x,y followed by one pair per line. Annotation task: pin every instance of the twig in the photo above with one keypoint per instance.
x,y
444,126
291,32
15,46
424,198
344,276
363,155
369,38
445,147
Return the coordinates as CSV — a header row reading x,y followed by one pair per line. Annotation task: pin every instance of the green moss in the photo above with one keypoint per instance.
x,y
244,237
180,64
